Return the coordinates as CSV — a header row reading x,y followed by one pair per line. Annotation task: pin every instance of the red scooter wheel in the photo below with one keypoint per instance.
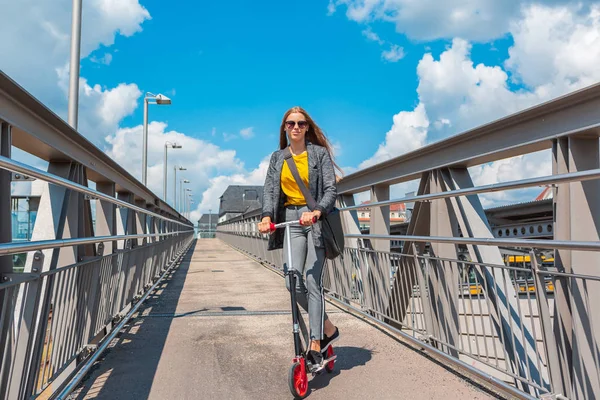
x,y
298,380
330,364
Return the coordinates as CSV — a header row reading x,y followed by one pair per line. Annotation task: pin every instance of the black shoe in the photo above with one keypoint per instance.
x,y
326,341
315,358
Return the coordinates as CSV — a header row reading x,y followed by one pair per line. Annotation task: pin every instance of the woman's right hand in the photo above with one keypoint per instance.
x,y
264,226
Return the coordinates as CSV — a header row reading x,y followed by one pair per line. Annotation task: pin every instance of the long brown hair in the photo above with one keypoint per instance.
x,y
314,134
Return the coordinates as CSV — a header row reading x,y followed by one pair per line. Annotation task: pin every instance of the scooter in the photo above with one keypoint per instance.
x,y
301,365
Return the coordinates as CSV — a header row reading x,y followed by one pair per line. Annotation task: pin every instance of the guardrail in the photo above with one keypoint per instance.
x,y
83,277
530,328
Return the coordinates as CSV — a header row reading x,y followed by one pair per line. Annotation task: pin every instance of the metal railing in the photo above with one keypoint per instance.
x,y
83,277
531,328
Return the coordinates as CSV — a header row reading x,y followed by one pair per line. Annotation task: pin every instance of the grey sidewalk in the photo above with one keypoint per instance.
x,y
219,328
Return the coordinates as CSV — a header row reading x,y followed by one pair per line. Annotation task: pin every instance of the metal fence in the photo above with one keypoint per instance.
x,y
530,327
82,277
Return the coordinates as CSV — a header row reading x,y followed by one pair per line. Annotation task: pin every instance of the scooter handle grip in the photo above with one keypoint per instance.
x,y
314,220
272,227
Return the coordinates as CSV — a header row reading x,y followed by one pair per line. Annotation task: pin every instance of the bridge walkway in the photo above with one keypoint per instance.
x,y
219,328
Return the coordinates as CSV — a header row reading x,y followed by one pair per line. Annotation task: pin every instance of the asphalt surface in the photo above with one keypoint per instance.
x,y
219,328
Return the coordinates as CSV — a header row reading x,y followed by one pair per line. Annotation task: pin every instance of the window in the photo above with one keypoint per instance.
x,y
250,195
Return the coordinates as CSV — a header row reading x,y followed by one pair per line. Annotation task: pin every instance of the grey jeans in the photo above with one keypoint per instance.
x,y
309,261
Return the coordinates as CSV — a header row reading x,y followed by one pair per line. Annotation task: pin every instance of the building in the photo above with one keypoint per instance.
x,y
24,204
398,214
207,225
238,200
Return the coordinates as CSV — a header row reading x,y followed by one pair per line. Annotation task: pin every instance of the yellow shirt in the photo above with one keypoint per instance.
x,y
288,183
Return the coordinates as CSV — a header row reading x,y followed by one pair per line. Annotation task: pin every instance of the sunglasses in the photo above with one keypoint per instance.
x,y
291,124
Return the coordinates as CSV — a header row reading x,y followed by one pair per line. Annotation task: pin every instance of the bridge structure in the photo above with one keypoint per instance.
x,y
461,302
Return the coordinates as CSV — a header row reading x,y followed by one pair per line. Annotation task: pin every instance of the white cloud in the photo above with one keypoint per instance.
x,y
408,133
512,169
394,54
228,136
100,109
369,34
556,50
106,59
218,184
478,20
201,159
247,133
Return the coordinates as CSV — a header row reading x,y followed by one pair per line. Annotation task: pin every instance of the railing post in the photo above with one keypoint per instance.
x,y
550,345
582,204
443,287
563,318
140,222
6,263
124,219
380,217
422,279
106,215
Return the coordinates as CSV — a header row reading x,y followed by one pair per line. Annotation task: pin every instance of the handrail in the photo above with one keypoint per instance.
x,y
529,243
493,187
18,167
21,247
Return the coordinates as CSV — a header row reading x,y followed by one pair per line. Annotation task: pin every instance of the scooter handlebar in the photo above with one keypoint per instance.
x,y
273,227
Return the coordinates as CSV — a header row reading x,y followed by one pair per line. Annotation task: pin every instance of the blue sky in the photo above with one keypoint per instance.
x,y
239,64
382,78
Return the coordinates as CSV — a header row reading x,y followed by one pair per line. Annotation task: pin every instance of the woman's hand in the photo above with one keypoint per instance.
x,y
307,217
264,226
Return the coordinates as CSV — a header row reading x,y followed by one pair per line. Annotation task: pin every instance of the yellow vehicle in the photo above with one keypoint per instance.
x,y
524,281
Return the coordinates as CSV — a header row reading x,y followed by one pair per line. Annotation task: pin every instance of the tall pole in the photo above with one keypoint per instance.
x,y
74,64
165,176
175,188
145,151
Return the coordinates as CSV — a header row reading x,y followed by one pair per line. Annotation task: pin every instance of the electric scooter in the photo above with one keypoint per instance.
x,y
301,365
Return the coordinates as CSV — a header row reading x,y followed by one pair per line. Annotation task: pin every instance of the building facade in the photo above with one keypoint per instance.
x,y
239,199
207,226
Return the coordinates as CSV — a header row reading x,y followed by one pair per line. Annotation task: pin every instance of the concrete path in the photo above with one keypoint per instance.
x,y
219,328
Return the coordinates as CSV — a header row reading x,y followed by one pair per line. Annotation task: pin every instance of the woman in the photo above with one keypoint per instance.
x,y
283,201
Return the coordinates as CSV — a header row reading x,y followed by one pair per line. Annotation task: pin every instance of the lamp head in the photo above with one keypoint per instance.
x,y
162,99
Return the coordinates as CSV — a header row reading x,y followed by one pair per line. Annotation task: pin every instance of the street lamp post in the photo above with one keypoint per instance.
x,y
187,200
167,145
159,99
74,64
181,192
175,184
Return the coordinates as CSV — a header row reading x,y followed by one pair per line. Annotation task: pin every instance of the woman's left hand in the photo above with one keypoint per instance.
x,y
307,217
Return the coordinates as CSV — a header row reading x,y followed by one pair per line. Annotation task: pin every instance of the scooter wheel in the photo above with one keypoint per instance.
x,y
298,381
330,364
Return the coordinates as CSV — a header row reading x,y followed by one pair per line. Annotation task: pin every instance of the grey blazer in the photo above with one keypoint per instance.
x,y
321,183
